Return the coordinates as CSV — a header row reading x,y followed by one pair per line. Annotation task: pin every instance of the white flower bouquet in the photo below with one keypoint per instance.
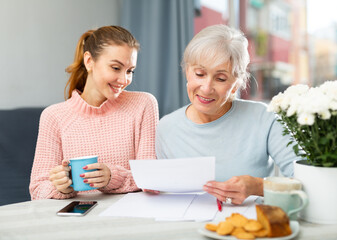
x,y
309,115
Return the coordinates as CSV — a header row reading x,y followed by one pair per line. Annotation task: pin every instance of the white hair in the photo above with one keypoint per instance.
x,y
217,45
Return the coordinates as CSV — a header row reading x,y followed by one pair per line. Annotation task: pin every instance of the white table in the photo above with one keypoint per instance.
x,y
38,220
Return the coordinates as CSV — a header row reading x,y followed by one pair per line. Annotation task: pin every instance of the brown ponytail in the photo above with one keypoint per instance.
x,y
94,41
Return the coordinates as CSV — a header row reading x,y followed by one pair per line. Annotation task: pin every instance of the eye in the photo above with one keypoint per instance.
x,y
115,68
131,71
199,74
221,77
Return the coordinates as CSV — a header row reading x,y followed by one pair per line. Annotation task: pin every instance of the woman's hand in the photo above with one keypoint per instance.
x,y
59,176
101,177
237,188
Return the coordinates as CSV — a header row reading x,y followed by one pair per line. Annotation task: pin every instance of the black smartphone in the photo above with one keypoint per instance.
x,y
77,208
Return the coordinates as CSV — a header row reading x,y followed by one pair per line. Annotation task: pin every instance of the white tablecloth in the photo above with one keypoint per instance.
x,y
38,220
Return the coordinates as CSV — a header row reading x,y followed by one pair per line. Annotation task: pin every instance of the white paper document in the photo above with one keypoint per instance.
x,y
178,180
177,207
173,175
165,207
203,208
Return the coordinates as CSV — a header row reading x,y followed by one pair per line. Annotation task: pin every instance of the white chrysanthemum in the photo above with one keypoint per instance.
x,y
274,105
329,88
298,89
305,101
295,105
314,101
291,111
325,114
333,105
285,102
284,105
315,107
306,119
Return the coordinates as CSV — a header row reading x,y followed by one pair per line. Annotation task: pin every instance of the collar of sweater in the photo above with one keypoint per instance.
x,y
80,105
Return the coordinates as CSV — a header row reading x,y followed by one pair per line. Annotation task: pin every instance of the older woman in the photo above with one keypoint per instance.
x,y
245,139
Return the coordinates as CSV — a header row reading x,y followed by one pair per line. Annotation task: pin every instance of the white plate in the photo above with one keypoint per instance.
x,y
295,228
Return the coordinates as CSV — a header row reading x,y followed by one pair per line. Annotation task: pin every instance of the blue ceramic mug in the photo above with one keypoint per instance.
x,y
77,165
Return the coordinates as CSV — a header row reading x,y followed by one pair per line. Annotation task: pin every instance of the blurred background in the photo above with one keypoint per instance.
x,y
290,42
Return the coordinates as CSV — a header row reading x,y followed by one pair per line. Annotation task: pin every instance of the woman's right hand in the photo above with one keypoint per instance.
x,y
59,176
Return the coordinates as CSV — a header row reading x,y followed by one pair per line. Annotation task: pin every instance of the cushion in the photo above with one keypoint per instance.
x,y
18,134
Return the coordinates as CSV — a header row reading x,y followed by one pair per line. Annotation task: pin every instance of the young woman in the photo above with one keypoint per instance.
x,y
98,118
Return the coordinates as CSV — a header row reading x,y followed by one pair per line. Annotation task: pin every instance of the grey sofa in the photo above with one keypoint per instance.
x,y
18,134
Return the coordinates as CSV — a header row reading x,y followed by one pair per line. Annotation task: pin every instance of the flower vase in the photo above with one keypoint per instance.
x,y
320,185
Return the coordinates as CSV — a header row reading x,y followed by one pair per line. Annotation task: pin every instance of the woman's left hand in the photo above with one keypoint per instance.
x,y
99,178
236,189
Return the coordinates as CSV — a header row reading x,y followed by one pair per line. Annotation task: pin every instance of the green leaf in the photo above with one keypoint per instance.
x,y
329,164
324,140
296,150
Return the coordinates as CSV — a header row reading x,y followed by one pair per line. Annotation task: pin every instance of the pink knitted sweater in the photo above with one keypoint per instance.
x,y
117,131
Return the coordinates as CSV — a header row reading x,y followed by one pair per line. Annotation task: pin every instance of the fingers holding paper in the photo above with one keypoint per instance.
x,y
237,188
225,196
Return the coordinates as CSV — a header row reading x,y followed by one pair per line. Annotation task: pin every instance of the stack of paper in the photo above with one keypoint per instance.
x,y
165,207
175,176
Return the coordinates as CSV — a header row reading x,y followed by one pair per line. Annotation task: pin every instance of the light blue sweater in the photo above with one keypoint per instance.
x,y
247,140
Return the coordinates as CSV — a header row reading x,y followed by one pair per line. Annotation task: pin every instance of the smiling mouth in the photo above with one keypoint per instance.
x,y
115,89
205,100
